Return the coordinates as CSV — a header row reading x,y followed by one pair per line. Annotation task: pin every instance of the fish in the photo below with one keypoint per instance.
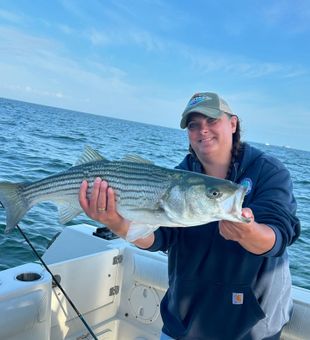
x,y
148,195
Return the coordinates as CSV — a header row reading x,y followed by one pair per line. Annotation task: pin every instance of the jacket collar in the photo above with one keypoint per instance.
x,y
247,156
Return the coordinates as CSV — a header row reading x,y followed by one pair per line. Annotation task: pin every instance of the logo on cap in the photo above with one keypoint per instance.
x,y
198,98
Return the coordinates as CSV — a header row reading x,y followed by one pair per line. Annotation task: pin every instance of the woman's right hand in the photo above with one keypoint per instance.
x,y
101,206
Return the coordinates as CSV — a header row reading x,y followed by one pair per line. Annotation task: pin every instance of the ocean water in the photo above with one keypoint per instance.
x,y
37,141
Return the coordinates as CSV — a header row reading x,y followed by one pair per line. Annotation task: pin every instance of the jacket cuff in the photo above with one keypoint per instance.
x,y
157,242
277,244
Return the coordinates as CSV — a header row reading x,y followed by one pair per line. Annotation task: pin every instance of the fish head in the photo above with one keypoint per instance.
x,y
202,199
215,199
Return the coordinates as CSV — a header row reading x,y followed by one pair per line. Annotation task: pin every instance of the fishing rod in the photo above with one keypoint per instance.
x,y
55,281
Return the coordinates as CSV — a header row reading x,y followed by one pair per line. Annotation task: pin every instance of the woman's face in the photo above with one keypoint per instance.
x,y
209,136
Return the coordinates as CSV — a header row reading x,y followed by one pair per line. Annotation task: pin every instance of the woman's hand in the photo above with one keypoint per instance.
x,y
255,237
101,207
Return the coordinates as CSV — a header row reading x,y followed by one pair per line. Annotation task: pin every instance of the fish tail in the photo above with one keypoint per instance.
x,y
14,203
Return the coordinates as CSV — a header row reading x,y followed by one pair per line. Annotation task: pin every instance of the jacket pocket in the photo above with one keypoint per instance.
x,y
226,312
211,311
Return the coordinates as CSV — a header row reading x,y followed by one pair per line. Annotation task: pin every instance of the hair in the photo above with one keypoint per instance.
x,y
237,146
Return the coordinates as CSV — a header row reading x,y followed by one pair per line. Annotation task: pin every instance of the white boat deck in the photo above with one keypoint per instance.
x,y
114,285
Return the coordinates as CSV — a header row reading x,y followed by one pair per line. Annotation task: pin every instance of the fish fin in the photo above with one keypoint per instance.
x,y
14,203
89,155
136,159
139,230
67,211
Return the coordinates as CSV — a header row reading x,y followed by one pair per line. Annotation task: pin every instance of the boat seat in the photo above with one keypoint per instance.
x,y
299,326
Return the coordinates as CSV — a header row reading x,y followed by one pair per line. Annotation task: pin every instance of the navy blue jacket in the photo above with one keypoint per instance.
x,y
217,289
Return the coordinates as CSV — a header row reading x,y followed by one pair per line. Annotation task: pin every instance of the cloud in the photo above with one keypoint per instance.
x,y
146,40
66,29
128,28
44,72
98,38
120,24
129,37
212,61
74,9
10,16
14,43
27,89
201,59
292,17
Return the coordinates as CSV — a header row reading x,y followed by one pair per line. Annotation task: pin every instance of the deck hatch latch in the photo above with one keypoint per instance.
x,y
114,290
117,259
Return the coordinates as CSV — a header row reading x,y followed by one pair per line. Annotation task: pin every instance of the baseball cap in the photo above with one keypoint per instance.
x,y
206,103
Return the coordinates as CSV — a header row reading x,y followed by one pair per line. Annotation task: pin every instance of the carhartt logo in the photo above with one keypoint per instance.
x,y
237,298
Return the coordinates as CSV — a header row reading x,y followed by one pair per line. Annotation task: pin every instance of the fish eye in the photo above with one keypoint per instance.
x,y
214,193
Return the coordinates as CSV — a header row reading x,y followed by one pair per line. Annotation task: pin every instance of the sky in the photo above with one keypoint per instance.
x,y
142,60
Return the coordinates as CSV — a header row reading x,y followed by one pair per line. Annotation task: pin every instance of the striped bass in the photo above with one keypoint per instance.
x,y
148,195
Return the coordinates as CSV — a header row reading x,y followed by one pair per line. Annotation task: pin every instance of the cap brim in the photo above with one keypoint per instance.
x,y
208,112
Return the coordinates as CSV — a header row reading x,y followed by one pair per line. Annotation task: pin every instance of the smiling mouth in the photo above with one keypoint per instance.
x,y
206,139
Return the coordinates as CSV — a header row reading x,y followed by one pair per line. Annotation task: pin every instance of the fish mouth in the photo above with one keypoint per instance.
x,y
239,198
233,205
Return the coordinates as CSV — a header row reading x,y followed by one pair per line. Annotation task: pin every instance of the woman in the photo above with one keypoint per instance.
x,y
229,280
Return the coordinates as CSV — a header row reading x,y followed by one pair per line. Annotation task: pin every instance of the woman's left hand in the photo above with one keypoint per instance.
x,y
236,231
255,237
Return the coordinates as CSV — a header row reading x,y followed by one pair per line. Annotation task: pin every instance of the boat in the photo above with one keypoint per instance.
x,y
103,288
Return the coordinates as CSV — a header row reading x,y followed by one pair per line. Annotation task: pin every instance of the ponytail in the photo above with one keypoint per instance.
x,y
236,148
